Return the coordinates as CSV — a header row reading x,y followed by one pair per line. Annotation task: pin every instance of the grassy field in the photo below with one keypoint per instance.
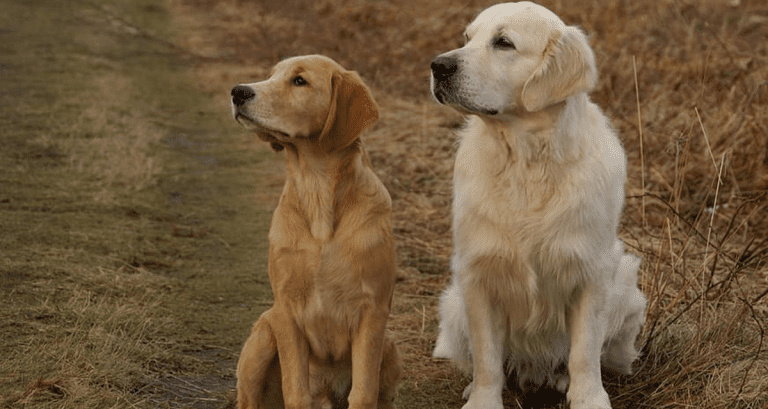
x,y
133,229
135,211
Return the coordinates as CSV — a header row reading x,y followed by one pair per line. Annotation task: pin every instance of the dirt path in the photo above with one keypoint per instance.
x,y
132,247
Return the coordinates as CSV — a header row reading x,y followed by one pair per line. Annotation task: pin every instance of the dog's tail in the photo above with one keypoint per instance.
x,y
629,265
628,315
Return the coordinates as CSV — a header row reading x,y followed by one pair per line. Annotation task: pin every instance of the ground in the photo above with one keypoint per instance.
x,y
134,210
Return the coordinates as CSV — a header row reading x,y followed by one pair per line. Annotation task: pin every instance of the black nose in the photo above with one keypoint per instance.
x,y
241,94
443,67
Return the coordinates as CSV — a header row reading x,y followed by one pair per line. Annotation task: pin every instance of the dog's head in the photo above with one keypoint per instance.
x,y
307,99
517,57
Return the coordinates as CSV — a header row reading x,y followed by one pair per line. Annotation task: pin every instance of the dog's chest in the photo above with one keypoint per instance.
x,y
321,285
489,179
315,193
314,260
534,208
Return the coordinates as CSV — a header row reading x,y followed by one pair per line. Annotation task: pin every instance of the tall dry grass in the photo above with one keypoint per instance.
x,y
684,82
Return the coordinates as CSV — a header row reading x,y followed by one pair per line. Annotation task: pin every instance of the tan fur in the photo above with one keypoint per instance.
x,y
331,256
540,278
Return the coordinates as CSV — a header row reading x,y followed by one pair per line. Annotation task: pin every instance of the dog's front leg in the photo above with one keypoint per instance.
x,y
486,340
293,350
587,331
367,350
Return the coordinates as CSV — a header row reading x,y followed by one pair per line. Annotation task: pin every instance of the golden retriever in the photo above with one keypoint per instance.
x,y
540,280
331,253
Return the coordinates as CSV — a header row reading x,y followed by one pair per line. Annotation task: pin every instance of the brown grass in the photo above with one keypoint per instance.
x,y
689,76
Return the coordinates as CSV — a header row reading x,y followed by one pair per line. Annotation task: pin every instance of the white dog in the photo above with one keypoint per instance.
x,y
540,278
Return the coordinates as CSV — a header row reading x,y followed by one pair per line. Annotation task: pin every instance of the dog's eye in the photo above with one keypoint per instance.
x,y
299,81
504,44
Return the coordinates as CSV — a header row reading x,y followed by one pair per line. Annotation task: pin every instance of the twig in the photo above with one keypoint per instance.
x,y
133,405
706,138
688,223
759,347
693,302
712,221
640,129
217,237
423,319
760,297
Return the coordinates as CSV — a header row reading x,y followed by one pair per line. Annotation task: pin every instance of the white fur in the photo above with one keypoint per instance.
x,y
540,278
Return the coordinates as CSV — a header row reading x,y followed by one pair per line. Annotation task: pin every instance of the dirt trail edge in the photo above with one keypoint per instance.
x,y
132,254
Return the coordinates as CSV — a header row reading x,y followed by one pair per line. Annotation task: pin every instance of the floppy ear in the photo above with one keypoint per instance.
x,y
568,68
352,110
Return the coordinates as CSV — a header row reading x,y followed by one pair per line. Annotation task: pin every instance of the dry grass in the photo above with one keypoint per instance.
x,y
117,209
80,323
105,337
118,291
687,76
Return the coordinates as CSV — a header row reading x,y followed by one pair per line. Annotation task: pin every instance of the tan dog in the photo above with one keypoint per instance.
x,y
331,255
540,278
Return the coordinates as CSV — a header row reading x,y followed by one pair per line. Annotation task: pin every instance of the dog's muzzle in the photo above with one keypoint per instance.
x,y
447,88
443,70
242,94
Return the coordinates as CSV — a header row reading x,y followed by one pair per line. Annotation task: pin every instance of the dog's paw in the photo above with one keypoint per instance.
x,y
590,405
467,391
561,382
482,399
594,398
443,349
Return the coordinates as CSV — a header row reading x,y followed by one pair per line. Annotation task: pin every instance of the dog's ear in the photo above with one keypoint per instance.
x,y
568,68
352,110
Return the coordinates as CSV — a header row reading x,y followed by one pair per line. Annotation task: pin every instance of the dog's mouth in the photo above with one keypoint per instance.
x,y
442,95
479,110
444,91
273,136
461,104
